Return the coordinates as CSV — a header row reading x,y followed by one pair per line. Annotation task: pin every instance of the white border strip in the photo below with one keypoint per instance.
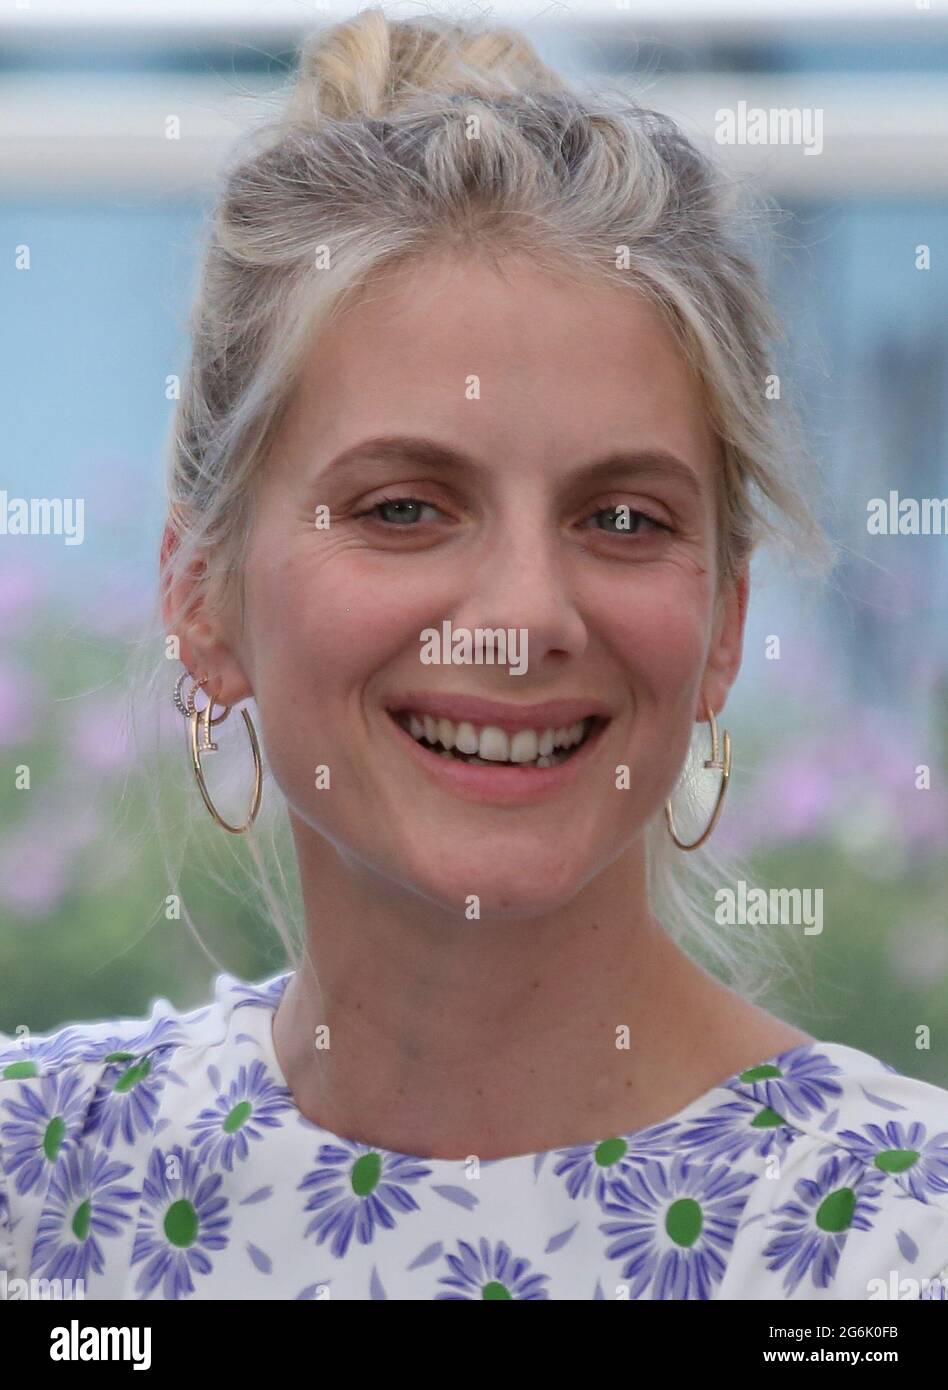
x,y
75,135
151,14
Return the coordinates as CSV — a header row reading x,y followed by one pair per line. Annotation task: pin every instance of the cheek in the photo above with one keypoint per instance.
x,y
297,621
660,635
320,629
661,649
314,617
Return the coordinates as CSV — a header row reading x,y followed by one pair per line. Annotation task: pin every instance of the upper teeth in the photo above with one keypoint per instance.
x,y
494,744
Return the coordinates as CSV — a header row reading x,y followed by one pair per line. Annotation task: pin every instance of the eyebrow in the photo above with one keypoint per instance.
x,y
443,459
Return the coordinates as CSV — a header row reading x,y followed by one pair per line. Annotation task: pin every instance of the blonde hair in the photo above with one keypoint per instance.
x,y
404,137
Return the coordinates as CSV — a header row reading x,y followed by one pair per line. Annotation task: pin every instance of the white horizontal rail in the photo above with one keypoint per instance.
x,y
36,15
72,135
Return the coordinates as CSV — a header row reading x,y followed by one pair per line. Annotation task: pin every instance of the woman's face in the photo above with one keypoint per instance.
x,y
528,390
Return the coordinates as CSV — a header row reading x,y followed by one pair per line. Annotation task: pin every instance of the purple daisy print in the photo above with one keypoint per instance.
x,y
589,1168
918,1164
42,1121
183,1219
797,1082
674,1225
251,1105
75,1044
355,1190
736,1128
806,1176
85,1202
490,1272
813,1229
267,995
27,1057
128,1094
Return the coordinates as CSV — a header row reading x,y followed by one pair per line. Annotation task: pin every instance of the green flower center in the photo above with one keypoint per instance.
x,y
133,1075
896,1160
495,1290
763,1073
684,1220
82,1220
836,1211
53,1137
609,1152
181,1223
766,1119
238,1116
365,1175
16,1071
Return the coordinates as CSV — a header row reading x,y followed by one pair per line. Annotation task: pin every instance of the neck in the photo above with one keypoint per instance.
x,y
449,1037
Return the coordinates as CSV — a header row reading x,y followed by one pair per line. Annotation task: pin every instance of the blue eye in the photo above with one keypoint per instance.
x,y
410,507
631,528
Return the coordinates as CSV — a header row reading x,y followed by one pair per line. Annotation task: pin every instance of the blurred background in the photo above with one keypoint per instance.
x,y
114,118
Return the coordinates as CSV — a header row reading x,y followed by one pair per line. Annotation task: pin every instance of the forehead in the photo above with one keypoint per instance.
x,y
501,357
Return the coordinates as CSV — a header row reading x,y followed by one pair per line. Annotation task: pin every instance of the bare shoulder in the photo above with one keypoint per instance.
x,y
747,1034
768,1028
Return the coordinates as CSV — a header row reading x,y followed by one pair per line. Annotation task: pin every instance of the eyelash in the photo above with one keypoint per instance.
x,y
368,514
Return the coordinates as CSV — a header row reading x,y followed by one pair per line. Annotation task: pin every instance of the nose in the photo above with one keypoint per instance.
x,y
522,579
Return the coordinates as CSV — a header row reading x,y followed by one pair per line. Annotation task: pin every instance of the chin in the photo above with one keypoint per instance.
x,y
514,894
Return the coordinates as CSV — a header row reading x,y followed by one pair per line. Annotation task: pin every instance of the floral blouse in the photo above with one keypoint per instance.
x,y
165,1158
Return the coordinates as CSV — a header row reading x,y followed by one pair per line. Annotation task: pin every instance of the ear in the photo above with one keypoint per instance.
x,y
190,613
727,642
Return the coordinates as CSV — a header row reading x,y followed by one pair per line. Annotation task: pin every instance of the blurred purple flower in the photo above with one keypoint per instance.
x,y
890,750
35,872
38,858
796,795
98,736
19,697
24,586
869,760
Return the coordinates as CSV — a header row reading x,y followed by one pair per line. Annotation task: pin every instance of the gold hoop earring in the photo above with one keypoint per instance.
x,y
724,767
203,717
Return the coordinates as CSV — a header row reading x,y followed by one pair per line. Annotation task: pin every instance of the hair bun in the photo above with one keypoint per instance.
x,y
372,66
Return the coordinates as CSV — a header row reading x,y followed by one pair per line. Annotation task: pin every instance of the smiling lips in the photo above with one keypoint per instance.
x,y
490,743
484,732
